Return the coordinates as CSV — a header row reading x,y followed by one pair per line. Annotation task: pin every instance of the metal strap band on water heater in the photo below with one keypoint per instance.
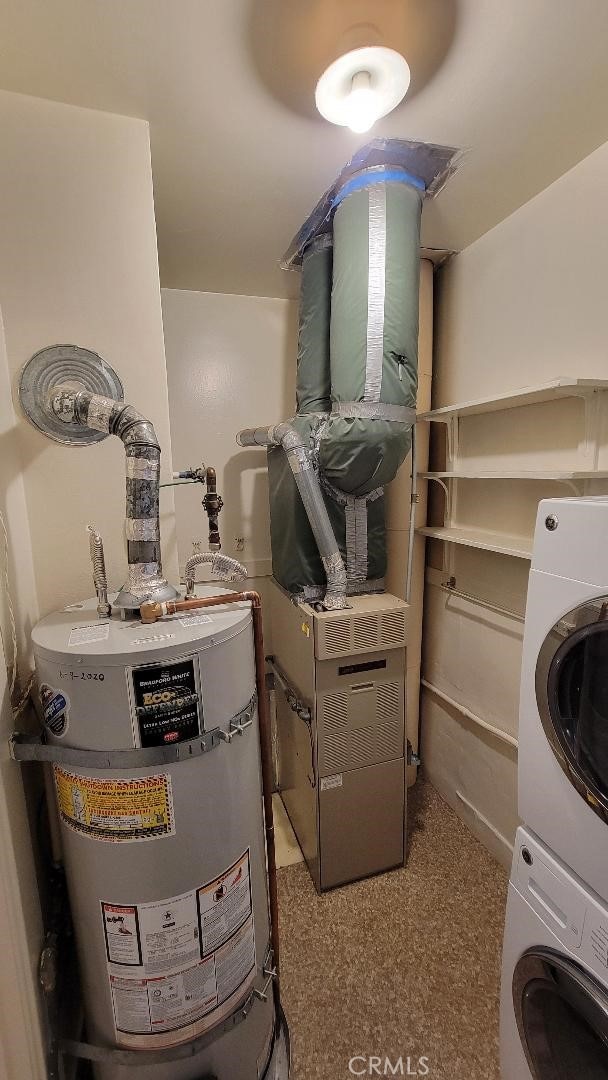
x,y
372,410
185,1051
25,747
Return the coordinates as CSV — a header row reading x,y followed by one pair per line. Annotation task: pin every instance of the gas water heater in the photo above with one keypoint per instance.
x,y
158,736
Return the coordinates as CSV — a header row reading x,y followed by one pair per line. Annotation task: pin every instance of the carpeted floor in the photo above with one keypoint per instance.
x,y
406,963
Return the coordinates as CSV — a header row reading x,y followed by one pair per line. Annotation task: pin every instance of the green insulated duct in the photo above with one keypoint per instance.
x,y
357,373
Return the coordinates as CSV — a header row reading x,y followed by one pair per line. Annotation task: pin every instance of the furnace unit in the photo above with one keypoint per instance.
x,y
340,695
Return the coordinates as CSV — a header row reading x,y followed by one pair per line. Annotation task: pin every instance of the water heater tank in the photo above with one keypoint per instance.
x,y
163,841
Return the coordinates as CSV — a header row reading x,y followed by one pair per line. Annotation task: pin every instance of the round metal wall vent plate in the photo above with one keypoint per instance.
x,y
77,367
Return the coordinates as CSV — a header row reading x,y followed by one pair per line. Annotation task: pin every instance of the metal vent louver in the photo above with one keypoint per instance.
x,y
334,719
365,632
336,634
392,628
387,700
361,632
345,744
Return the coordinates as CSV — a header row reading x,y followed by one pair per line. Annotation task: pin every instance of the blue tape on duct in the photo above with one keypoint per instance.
x,y
381,176
425,163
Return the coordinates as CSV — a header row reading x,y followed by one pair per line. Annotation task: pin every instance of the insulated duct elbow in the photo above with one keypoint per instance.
x,y
82,408
310,492
223,568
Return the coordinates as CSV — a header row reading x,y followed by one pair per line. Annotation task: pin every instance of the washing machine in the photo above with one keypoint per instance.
x,y
563,726
554,994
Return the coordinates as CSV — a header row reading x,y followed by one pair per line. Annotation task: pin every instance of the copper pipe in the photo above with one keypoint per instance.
x,y
151,612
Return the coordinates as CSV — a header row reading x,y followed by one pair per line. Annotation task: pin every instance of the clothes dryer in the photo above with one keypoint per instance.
x,y
563,729
554,995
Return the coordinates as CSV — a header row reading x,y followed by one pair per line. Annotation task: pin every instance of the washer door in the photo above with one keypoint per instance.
x,y
572,698
562,1017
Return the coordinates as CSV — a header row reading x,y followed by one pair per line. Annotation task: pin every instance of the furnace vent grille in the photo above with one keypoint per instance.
x,y
336,636
358,633
356,730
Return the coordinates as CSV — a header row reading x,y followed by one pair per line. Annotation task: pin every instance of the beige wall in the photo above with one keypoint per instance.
x,y
78,264
525,304
398,504
231,363
20,918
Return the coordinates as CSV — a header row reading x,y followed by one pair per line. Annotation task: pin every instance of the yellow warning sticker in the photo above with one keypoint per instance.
x,y
116,810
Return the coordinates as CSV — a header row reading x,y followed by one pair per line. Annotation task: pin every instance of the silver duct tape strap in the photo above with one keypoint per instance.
x,y
334,602
355,513
142,529
99,413
341,497
145,573
374,410
376,287
309,594
139,468
300,461
372,585
332,563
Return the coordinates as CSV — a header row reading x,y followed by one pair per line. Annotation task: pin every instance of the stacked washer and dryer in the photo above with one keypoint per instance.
x,y
554,1001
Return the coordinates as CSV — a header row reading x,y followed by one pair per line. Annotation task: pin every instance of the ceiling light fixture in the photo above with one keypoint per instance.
x,y
362,86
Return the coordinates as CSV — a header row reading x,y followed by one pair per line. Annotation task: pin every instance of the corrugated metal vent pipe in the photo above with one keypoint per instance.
x,y
81,407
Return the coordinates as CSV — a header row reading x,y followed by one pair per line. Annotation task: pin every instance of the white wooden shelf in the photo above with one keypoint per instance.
x,y
527,395
520,547
514,474
584,468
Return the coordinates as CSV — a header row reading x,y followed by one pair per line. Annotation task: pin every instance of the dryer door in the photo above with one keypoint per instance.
x,y
572,698
562,1017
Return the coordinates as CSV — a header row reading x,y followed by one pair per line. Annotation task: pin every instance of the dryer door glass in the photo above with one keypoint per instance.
x,y
572,695
562,1016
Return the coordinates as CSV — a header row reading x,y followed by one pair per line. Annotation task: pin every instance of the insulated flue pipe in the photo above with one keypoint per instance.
x,y
85,409
310,492
313,386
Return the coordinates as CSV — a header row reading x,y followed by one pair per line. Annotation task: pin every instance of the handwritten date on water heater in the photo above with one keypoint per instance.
x,y
90,676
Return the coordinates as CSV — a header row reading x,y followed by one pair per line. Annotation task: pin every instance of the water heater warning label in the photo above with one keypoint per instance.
x,y
192,957
116,810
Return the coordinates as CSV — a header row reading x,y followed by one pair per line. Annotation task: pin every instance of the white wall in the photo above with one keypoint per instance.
x,y
20,917
525,304
231,363
78,264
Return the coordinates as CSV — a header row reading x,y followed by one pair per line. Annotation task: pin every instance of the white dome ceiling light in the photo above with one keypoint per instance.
x,y
362,86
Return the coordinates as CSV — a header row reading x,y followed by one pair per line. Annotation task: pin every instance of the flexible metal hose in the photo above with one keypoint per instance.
x,y
222,568
99,573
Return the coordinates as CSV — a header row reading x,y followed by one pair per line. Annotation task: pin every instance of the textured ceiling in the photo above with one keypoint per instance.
x,y
239,157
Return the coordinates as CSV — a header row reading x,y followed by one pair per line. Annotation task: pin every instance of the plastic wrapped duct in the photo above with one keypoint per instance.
x,y
357,362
